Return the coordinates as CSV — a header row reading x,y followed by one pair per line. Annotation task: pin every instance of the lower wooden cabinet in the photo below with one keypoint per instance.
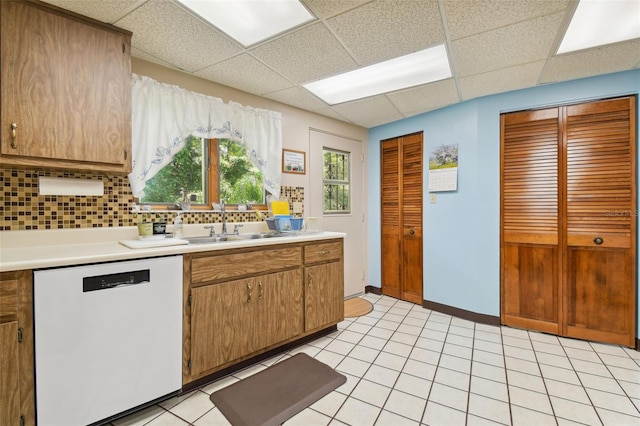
x,y
232,319
257,301
17,397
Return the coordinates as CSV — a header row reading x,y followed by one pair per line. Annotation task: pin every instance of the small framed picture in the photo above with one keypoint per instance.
x,y
293,161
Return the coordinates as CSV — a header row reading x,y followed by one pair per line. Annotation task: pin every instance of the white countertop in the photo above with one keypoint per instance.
x,y
53,248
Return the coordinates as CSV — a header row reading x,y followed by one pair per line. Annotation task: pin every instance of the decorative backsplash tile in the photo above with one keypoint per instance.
x,y
24,209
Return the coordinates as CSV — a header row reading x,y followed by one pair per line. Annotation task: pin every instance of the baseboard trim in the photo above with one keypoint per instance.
x,y
374,290
453,311
461,313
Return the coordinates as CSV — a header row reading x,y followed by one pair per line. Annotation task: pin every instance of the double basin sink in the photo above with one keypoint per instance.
x,y
235,237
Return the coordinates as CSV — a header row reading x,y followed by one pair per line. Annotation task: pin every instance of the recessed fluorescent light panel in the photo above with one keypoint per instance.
x,y
251,21
600,22
410,70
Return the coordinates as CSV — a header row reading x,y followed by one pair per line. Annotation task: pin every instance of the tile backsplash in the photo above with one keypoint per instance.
x,y
24,209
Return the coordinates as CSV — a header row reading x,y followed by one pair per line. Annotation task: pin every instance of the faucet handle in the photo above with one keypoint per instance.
x,y
235,229
210,227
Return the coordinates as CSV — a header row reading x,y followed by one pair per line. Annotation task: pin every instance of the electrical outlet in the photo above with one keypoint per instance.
x,y
297,207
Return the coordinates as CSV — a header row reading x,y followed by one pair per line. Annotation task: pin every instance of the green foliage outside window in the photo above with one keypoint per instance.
x,y
336,176
186,171
240,180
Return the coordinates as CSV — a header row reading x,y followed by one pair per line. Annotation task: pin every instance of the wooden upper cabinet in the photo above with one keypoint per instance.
x,y
66,90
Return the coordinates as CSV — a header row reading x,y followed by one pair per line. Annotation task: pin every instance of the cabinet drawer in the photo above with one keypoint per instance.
x,y
322,252
8,297
234,265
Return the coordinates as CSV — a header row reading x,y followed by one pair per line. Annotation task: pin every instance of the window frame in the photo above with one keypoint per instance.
x,y
336,182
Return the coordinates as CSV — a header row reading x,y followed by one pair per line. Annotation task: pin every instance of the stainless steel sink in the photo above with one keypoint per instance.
x,y
235,237
206,239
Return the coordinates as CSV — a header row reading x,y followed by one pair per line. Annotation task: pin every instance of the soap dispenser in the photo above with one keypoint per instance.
x,y
178,227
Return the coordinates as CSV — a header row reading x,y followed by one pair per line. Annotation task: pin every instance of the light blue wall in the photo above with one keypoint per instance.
x,y
462,230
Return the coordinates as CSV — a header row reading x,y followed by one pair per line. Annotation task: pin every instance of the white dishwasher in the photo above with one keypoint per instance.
x,y
108,338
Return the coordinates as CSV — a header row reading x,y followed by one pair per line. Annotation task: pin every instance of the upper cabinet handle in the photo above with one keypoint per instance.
x,y
14,126
598,240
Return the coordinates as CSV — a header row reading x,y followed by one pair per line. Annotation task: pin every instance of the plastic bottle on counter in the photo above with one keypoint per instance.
x,y
178,227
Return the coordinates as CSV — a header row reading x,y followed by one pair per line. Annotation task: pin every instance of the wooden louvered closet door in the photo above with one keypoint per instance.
x,y
569,267
401,195
530,230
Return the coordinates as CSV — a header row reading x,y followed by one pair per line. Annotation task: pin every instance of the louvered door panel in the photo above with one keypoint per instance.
x,y
601,221
401,200
412,218
390,200
530,220
530,177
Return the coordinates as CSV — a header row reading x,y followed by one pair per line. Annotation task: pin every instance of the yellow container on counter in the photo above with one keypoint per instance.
x,y
280,207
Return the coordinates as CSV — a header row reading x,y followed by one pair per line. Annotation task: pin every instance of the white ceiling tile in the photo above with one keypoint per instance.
x,y
383,30
505,47
246,73
297,97
425,98
328,8
467,17
328,112
168,32
596,61
305,55
369,112
100,10
500,81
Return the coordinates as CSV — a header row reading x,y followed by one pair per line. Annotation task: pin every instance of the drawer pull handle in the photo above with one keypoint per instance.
x,y
598,240
261,290
248,292
323,252
14,126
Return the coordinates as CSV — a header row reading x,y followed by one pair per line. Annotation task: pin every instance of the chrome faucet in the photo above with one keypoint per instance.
x,y
224,217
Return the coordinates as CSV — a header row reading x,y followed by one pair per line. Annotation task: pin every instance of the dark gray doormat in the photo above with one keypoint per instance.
x,y
276,394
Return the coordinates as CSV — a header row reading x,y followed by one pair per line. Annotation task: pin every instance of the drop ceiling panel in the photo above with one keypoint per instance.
x,y
297,97
379,31
170,33
328,8
369,112
506,47
246,73
467,17
500,81
306,54
591,62
425,98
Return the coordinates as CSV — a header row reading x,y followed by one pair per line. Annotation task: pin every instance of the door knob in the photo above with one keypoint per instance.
x,y
412,232
598,240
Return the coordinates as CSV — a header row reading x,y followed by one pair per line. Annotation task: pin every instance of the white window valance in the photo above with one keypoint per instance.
x,y
164,115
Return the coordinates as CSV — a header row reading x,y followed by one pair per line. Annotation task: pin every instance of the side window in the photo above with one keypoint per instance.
x,y
336,180
207,170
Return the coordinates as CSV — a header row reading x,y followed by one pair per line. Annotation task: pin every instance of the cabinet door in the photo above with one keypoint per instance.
x,y
324,295
9,383
222,323
280,300
67,87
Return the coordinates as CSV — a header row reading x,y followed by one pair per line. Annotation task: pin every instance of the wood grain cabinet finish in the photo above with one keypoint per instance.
x,y
568,249
17,386
243,302
401,233
66,90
